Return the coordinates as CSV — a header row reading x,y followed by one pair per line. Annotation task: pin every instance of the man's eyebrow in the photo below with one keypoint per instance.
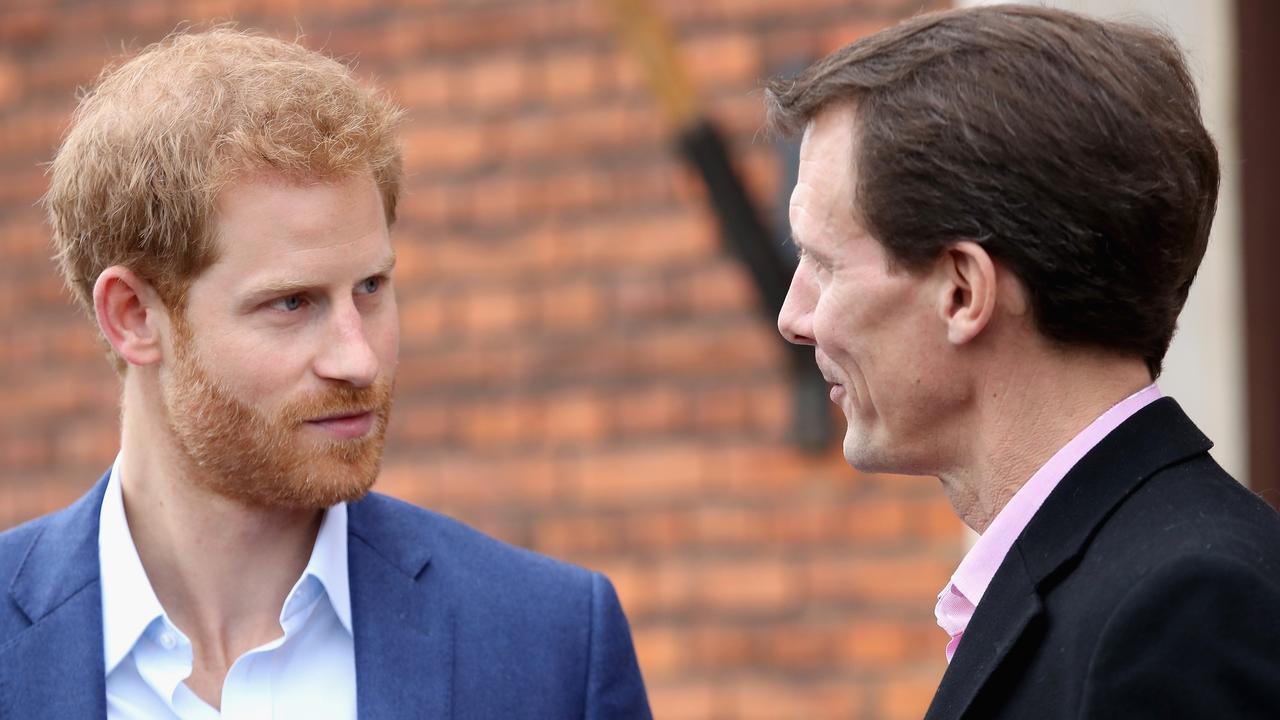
x,y
386,266
291,287
280,287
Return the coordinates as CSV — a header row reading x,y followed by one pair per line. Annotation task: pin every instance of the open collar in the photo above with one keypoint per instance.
x,y
1155,437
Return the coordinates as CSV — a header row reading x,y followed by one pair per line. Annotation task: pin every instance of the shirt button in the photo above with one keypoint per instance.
x,y
167,641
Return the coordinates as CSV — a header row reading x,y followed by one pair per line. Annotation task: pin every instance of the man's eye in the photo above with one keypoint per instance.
x,y
289,303
370,285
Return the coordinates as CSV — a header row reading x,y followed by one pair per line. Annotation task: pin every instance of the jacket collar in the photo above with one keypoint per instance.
x,y
56,587
1156,437
403,624
404,621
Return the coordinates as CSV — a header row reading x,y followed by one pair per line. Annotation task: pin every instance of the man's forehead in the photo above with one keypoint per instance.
x,y
270,229
825,172
830,131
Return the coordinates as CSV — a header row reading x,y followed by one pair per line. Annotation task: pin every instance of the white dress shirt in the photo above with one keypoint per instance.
x,y
309,672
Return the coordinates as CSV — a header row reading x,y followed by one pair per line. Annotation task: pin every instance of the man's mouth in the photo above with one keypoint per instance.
x,y
345,426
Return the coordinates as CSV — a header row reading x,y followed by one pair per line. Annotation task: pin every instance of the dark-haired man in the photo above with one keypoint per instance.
x,y
221,206
1000,212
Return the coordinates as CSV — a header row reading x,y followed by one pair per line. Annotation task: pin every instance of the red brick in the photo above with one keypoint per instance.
x,y
455,479
841,34
11,85
891,643
571,75
770,407
651,410
662,652
755,586
681,700
721,408
44,396
934,518
721,286
422,319
871,643
907,697
28,25
694,349
576,536
444,147
660,531
226,9
778,699
532,136
498,422
575,305
644,296
656,239
422,423
729,526
723,59
722,645
494,82
623,73
26,235
91,444
633,475
429,87
906,581
24,450
754,471
490,311
800,647
594,130
576,417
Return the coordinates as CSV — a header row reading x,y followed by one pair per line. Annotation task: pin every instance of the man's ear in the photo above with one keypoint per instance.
x,y
126,307
968,297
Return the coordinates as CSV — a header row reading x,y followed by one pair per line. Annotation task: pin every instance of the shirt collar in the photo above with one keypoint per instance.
x,y
328,562
981,562
129,603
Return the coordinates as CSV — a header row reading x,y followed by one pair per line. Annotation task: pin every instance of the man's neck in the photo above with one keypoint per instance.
x,y
1025,414
220,569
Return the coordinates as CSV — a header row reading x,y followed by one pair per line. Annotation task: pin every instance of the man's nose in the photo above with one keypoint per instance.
x,y
347,355
795,320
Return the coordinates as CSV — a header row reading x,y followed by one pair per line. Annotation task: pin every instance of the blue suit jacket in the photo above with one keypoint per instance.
x,y
448,623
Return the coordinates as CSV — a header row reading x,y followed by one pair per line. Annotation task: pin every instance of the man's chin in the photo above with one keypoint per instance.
x,y
318,482
860,454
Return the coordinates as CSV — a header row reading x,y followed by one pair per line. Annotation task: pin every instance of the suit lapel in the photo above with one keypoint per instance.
x,y
1155,437
404,629
54,668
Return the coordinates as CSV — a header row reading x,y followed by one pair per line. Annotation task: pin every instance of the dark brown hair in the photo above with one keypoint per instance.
x,y
1071,148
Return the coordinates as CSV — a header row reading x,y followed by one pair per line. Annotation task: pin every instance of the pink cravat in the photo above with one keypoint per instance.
x,y
959,599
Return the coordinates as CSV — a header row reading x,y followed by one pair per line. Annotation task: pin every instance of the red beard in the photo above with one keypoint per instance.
x,y
270,462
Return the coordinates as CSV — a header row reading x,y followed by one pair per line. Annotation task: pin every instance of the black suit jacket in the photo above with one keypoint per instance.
x,y
1146,586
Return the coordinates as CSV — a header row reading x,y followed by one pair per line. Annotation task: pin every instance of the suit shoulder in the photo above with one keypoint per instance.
x,y
1189,515
1197,508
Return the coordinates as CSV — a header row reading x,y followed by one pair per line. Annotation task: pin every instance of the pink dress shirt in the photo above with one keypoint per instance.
x,y
961,596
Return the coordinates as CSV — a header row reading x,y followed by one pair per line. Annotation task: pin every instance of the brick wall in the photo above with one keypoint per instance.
x,y
584,371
